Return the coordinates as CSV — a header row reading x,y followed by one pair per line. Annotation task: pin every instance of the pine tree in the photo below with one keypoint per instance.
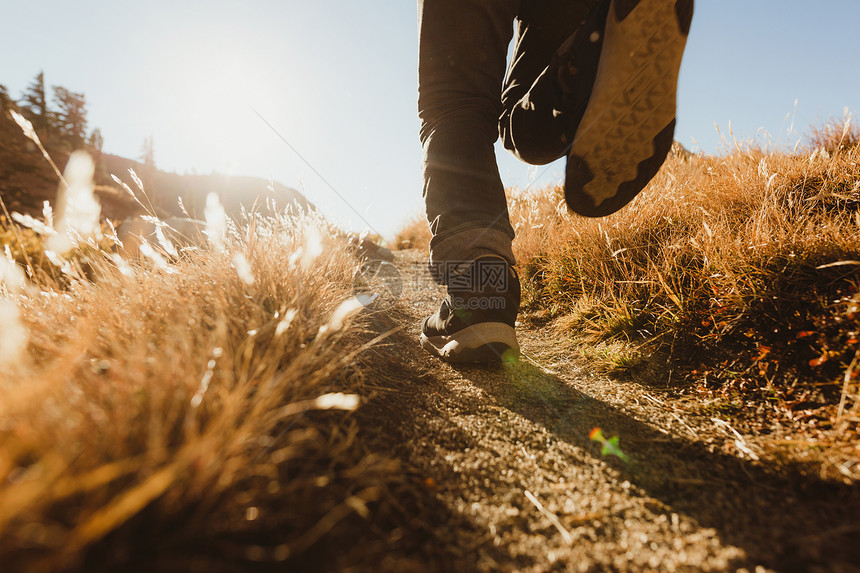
x,y
147,152
96,141
71,119
4,97
95,145
34,104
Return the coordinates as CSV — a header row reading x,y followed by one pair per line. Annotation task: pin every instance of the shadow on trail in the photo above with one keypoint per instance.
x,y
788,521
423,532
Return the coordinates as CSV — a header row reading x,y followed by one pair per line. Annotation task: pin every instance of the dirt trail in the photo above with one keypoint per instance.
x,y
515,483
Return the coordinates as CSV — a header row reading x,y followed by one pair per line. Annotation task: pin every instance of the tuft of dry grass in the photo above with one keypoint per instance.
x,y
835,135
187,409
413,234
741,271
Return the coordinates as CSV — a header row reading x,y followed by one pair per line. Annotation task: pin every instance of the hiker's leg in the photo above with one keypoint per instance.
x,y
462,51
532,125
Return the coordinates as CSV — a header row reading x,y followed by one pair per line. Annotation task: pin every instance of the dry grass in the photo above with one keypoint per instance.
x,y
414,234
835,135
169,410
741,271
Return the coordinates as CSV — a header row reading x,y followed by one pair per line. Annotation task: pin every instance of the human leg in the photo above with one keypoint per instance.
x,y
614,113
549,80
462,51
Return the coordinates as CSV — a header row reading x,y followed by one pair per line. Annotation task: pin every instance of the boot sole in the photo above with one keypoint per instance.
x,y
628,127
487,342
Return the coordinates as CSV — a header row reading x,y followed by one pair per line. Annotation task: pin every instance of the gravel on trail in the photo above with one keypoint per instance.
x,y
512,481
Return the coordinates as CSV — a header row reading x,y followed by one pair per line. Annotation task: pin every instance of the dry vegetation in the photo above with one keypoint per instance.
x,y
732,278
193,409
414,234
190,410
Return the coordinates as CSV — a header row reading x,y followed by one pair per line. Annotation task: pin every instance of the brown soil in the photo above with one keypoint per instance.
x,y
500,473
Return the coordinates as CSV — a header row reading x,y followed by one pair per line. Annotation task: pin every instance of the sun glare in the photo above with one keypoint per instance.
x,y
214,99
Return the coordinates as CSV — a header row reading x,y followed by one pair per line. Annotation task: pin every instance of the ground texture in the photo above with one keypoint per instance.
x,y
509,479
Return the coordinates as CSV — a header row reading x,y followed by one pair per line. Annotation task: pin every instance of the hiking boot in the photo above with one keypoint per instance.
x,y
629,124
475,322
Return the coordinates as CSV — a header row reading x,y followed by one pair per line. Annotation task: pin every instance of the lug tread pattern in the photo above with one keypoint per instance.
x,y
632,105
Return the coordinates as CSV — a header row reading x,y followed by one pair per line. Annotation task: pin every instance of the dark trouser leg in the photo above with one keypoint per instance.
x,y
462,50
529,126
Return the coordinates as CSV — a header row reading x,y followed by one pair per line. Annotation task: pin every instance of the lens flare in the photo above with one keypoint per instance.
x,y
609,447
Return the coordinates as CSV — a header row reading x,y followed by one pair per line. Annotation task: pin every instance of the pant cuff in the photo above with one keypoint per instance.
x,y
472,243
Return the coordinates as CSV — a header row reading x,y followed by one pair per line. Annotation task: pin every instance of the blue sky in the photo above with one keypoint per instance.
x,y
337,78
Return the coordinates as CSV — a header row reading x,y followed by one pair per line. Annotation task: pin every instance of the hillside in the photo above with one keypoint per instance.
x,y
164,189
27,180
